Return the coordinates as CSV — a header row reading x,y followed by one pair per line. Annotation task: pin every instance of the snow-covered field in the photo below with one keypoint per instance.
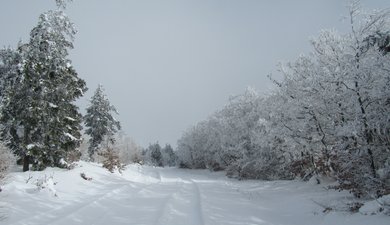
x,y
168,196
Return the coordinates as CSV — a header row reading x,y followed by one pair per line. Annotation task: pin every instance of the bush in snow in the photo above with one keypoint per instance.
x,y
71,158
44,183
354,174
111,160
47,183
6,160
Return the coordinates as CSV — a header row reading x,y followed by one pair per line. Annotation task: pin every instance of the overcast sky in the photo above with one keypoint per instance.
x,y
167,64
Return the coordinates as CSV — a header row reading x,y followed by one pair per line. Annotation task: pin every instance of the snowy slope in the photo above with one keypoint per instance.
x,y
168,196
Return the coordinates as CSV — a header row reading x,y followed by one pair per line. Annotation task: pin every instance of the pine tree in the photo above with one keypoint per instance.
x,y
39,116
168,155
155,155
10,62
10,78
100,123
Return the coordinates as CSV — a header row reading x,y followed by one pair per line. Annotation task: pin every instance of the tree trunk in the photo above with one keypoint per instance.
x,y
26,163
367,133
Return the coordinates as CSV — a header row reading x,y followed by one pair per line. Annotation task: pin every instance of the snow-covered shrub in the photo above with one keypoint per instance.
x,y
44,183
6,160
354,174
268,166
136,157
306,166
111,160
233,170
73,156
302,167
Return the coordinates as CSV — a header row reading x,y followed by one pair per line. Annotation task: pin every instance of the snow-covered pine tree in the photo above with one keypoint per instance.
x,y
16,103
39,114
101,124
155,154
168,155
10,63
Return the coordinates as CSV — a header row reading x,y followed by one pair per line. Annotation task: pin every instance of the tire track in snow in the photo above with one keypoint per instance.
x,y
198,209
107,195
186,200
95,201
71,209
163,208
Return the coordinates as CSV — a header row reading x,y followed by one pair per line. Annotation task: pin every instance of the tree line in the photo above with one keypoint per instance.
x,y
329,115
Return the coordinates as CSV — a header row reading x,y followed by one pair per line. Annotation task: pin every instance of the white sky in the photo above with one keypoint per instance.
x,y
168,64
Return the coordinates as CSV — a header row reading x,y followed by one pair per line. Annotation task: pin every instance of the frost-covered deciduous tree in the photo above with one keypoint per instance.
x,y
335,106
235,139
192,147
128,149
366,83
40,119
100,122
241,122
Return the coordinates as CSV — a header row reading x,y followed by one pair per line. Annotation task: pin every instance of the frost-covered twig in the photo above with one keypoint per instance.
x,y
47,183
29,178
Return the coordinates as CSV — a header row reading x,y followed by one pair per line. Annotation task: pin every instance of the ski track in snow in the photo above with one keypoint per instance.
x,y
157,196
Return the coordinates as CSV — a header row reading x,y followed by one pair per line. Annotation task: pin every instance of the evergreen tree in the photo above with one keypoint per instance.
x,y
168,155
155,155
100,123
10,61
40,121
10,78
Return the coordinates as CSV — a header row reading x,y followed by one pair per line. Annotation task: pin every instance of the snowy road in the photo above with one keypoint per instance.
x,y
156,196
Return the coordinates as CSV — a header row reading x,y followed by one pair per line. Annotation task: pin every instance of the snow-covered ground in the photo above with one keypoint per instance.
x,y
168,196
